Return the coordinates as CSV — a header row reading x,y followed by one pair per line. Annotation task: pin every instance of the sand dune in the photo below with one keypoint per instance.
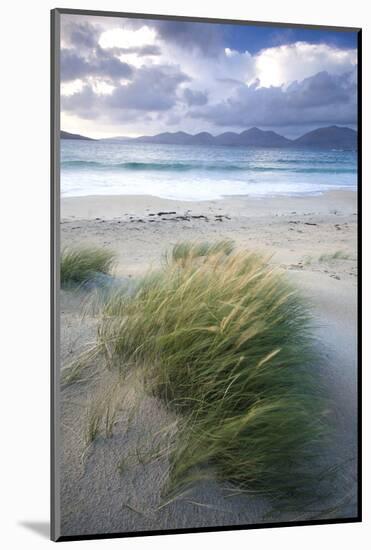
x,y
301,235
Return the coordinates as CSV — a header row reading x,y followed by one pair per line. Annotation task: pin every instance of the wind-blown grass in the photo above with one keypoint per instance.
x,y
102,409
183,251
338,255
82,264
225,341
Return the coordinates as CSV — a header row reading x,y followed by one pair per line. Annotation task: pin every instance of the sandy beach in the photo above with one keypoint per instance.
x,y
314,240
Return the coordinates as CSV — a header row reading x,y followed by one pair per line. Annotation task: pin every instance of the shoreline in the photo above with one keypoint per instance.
x,y
252,196
114,204
295,231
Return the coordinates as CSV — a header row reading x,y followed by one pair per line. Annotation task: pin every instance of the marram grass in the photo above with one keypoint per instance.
x,y
79,265
225,341
183,251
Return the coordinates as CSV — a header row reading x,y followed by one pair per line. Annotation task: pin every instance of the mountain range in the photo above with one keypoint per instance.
x,y
331,137
68,135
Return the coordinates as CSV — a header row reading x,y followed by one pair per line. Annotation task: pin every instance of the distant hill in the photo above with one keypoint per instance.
x,y
331,137
68,135
252,138
176,138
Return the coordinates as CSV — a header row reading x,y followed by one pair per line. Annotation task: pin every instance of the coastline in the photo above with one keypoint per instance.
x,y
88,206
295,230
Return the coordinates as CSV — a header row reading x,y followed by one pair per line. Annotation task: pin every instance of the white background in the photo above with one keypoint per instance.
x,y
24,253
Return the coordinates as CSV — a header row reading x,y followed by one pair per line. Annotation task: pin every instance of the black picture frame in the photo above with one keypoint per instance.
x,y
55,276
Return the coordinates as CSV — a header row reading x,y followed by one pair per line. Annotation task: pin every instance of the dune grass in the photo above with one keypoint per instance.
x,y
102,409
225,341
338,255
183,251
79,265
327,258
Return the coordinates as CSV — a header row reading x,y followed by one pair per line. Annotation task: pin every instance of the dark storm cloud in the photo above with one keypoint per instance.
x,y
149,50
192,36
322,98
194,97
84,35
84,56
230,81
152,89
84,103
322,89
81,35
100,64
73,66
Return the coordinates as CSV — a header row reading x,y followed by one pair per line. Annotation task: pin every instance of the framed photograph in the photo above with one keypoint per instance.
x,y
206,192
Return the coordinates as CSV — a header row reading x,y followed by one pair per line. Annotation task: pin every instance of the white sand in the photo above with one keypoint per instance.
x,y
296,232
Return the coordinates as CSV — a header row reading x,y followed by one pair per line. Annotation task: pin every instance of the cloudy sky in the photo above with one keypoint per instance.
x,y
133,77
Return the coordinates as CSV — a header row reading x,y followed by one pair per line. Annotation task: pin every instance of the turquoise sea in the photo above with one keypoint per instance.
x,y
202,172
